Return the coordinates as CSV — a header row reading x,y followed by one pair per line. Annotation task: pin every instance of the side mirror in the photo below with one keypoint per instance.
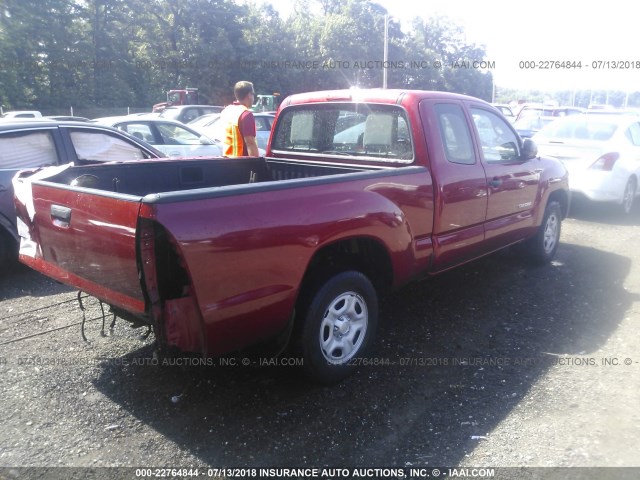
x,y
205,141
529,149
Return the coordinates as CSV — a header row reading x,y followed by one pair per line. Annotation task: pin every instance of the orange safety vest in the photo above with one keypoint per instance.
x,y
233,141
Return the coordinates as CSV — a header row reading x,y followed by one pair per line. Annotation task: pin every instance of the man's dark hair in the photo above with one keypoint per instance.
x,y
242,89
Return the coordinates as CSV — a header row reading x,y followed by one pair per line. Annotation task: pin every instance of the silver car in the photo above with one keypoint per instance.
x,y
601,153
172,138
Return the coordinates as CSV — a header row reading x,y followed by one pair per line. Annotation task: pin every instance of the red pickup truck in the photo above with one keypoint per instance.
x,y
360,192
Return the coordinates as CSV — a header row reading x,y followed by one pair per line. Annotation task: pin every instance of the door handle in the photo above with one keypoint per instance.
x,y
495,182
60,216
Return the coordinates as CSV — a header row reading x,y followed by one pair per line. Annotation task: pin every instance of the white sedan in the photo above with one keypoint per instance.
x,y
172,138
601,153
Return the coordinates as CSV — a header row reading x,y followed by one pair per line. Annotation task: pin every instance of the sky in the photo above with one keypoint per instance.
x,y
525,39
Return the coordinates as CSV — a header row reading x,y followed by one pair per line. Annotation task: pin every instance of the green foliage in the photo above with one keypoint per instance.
x,y
117,53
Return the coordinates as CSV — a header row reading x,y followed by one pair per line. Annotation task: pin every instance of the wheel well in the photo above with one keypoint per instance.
x,y
563,198
365,255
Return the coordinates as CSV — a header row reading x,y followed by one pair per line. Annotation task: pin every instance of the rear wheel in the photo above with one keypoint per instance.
x,y
628,196
8,250
543,246
338,326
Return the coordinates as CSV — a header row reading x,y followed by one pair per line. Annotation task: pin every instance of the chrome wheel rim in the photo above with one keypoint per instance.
x,y
343,328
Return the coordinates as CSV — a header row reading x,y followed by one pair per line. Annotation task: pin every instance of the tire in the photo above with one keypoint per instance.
x,y
8,250
338,327
543,246
628,197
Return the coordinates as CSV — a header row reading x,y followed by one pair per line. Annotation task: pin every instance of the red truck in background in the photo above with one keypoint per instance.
x,y
360,191
186,96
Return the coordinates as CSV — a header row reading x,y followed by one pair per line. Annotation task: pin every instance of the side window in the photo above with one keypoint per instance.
x,y
499,143
102,147
27,150
379,132
455,134
633,134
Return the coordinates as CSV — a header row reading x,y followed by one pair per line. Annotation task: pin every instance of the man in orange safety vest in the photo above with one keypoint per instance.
x,y
239,124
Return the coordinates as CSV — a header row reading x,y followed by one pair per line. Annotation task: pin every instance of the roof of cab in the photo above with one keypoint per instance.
x,y
372,95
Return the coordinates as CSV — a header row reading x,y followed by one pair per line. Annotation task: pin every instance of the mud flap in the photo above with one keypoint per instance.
x,y
183,325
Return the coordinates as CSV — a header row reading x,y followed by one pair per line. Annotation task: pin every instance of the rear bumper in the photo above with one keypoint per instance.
x,y
598,186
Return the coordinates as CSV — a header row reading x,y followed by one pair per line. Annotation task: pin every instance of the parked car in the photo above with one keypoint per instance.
x,y
601,153
613,111
71,118
209,126
203,121
186,113
506,111
35,143
527,127
547,111
172,138
21,114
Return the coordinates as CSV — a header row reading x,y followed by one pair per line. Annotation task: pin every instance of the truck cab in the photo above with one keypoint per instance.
x,y
186,96
359,193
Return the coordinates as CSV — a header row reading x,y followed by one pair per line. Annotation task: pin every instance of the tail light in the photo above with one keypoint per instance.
x,y
606,162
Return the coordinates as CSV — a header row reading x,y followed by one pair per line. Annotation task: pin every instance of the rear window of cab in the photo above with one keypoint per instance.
x,y
361,131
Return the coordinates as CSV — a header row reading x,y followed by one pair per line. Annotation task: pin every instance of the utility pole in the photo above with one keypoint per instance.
x,y
386,51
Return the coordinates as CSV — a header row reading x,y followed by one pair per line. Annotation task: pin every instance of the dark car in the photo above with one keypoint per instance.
x,y
30,144
186,113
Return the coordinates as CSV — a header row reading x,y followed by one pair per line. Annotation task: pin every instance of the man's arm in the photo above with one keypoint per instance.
x,y
247,126
252,146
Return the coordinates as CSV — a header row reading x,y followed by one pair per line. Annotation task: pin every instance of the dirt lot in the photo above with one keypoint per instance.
x,y
496,364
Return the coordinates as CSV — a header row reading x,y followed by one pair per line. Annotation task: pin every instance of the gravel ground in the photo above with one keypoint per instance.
x,y
495,364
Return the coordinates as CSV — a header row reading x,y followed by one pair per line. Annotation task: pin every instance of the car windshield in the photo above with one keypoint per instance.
x,y
171,113
174,134
580,128
204,120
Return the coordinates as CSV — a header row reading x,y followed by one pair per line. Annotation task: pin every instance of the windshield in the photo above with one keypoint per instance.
x,y
171,113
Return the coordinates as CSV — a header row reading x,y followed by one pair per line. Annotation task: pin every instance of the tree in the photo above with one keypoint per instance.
x,y
449,62
35,45
122,53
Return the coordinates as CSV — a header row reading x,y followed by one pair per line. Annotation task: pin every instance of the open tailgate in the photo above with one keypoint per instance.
x,y
82,237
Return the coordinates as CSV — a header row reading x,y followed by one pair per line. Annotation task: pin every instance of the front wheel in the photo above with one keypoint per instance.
x,y
542,247
339,326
